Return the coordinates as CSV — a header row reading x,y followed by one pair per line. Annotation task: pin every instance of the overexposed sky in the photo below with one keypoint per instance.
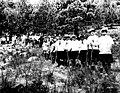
x,y
32,1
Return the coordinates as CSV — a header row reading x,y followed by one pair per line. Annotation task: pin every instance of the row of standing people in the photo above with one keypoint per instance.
x,y
88,50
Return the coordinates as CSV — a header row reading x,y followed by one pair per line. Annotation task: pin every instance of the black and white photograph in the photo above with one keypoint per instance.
x,y
59,46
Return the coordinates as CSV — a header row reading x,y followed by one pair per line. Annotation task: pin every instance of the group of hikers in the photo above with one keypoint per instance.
x,y
89,50
66,49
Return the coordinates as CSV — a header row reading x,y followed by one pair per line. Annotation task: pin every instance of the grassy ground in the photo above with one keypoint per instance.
x,y
48,78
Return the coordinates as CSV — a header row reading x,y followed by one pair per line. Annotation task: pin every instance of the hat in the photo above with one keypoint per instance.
x,y
66,36
57,37
91,30
73,36
104,29
54,39
82,37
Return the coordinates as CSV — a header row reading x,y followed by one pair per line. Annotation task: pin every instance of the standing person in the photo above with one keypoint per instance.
x,y
67,48
45,47
41,40
59,48
23,37
3,40
52,51
14,39
83,50
105,45
74,44
93,48
26,40
36,41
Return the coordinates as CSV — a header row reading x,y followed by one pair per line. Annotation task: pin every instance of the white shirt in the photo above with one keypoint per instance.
x,y
36,37
3,39
93,42
84,45
45,46
59,45
105,44
52,47
75,45
32,37
23,38
13,39
67,45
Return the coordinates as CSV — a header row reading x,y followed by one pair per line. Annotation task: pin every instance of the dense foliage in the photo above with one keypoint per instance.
x,y
60,16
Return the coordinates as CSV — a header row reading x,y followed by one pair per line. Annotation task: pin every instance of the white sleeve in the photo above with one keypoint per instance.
x,y
43,44
52,47
56,46
70,45
79,44
112,42
88,40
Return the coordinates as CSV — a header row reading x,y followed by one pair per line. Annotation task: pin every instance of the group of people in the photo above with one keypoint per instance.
x,y
89,50
68,48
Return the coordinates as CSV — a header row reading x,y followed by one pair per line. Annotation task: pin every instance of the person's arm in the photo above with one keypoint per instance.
x,y
70,46
97,43
111,42
43,45
80,45
88,43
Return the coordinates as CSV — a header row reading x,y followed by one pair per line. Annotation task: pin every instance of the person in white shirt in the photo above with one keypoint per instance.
x,y
14,39
74,44
45,48
105,45
23,37
67,48
59,48
3,40
52,51
83,50
36,41
93,48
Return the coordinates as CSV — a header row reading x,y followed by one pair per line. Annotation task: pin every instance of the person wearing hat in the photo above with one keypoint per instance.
x,y
74,47
52,50
83,50
59,50
67,48
45,48
93,48
105,45
41,39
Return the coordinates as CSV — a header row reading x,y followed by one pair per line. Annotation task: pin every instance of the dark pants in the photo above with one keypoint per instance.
x,y
83,57
53,55
106,60
40,44
93,56
46,54
66,57
60,57
73,55
2,42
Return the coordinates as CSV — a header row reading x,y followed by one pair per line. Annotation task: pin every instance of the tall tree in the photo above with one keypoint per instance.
x,y
74,15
